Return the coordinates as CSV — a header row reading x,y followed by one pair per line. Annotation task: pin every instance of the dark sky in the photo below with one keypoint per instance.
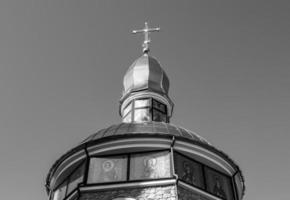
x,y
62,64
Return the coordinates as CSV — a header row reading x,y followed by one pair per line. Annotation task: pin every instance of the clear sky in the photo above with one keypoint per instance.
x,y
62,64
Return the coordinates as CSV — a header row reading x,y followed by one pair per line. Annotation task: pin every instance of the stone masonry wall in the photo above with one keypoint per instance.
x,y
149,193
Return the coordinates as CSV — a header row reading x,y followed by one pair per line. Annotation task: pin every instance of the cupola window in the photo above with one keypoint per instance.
x,y
127,109
159,116
159,106
140,103
142,110
142,115
159,111
145,110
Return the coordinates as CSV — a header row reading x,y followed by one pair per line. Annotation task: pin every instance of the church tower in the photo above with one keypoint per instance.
x,y
145,157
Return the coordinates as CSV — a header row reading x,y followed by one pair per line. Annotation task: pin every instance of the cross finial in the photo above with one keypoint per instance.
x,y
146,31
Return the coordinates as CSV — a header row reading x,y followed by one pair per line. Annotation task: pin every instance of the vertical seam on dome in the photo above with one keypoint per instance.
x,y
117,128
162,81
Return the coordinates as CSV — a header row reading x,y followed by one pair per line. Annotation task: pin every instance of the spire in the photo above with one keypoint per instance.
x,y
146,31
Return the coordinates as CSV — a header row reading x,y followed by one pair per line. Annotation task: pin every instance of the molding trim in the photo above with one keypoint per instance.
x,y
204,153
67,163
129,185
127,143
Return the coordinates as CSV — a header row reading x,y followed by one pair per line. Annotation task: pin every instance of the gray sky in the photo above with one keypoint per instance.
x,y
62,64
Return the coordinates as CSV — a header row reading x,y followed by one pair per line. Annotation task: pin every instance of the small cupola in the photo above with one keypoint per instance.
x,y
146,85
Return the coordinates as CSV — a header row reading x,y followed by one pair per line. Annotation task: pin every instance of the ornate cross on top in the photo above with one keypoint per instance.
x,y
146,30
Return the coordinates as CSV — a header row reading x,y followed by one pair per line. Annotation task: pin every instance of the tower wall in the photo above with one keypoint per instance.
x,y
148,193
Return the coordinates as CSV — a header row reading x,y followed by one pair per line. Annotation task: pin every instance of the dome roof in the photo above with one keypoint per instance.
x,y
146,74
138,129
150,128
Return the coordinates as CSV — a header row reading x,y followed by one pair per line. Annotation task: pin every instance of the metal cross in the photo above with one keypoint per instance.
x,y
146,31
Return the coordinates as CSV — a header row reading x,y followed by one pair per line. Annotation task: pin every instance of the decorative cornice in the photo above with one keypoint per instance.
x,y
128,185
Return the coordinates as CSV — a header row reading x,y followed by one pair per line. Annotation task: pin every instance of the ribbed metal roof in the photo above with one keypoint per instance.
x,y
150,128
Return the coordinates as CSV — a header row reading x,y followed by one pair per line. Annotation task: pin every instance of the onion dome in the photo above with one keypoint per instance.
x,y
146,74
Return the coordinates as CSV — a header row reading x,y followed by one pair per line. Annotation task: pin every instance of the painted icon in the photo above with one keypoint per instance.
x,y
111,169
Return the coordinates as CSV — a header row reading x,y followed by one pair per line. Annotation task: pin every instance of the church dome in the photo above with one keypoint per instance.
x,y
175,136
145,157
145,74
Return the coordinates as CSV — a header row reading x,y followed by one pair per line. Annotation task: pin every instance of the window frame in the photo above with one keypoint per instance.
x,y
128,171
106,156
203,187
159,110
203,167
150,109
141,154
